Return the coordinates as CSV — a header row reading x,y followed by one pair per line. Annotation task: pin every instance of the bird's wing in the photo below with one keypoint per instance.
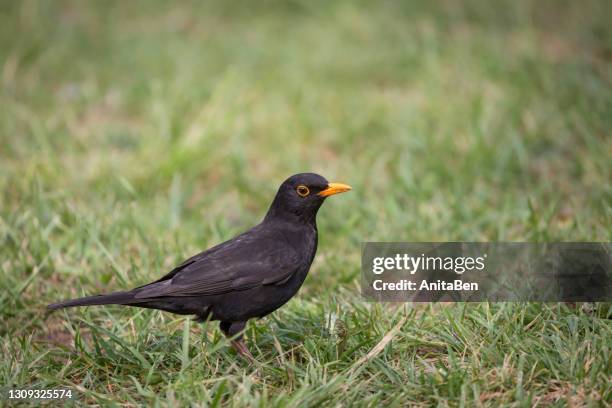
x,y
247,261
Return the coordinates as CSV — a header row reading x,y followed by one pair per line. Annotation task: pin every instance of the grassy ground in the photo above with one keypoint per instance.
x,y
133,134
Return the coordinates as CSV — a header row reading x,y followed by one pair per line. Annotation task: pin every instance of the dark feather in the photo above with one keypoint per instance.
x,y
255,258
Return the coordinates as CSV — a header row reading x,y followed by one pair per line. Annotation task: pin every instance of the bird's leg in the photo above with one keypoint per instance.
x,y
243,350
231,329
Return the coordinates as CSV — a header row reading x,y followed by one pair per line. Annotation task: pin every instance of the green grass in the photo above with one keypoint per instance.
x,y
134,134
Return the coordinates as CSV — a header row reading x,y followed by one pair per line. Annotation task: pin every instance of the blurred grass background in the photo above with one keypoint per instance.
x,y
134,134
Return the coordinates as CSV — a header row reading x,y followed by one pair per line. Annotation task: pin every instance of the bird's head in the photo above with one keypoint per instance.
x,y
301,196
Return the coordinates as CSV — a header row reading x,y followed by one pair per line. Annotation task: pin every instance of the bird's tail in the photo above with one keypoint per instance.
x,y
116,298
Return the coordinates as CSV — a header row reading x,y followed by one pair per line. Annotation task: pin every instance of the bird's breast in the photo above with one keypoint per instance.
x,y
262,300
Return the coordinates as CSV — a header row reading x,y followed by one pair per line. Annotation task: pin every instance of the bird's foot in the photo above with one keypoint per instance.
x,y
242,349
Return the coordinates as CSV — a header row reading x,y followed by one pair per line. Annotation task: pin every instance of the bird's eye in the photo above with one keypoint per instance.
x,y
302,190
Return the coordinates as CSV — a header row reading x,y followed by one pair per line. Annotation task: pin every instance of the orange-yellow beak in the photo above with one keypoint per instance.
x,y
335,188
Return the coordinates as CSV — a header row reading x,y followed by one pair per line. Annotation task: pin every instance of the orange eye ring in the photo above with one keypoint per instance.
x,y
302,190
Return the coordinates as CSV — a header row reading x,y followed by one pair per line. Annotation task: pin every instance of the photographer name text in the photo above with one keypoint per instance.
x,y
413,264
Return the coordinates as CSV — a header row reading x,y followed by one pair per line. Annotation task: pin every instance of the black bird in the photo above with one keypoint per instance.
x,y
246,277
